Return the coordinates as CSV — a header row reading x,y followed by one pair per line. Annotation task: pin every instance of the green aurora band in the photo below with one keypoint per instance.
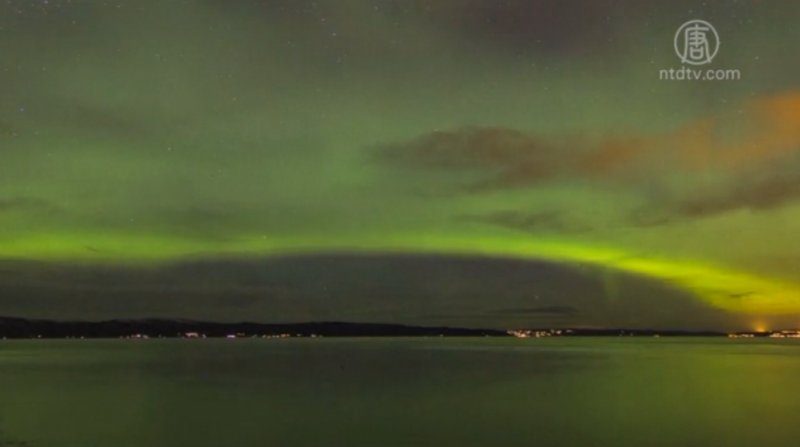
x,y
153,133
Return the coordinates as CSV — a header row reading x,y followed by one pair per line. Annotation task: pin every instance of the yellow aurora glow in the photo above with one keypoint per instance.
x,y
717,286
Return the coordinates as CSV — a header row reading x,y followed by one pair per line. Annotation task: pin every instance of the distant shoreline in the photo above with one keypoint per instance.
x,y
22,328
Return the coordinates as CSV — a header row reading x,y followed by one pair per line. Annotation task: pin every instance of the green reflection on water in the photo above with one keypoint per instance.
x,y
400,392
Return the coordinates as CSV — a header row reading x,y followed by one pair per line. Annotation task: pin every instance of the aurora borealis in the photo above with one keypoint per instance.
x,y
410,147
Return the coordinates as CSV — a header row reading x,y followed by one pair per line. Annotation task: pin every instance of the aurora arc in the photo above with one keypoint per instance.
x,y
437,128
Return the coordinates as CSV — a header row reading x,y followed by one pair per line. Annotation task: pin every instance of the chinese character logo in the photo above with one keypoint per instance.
x,y
696,42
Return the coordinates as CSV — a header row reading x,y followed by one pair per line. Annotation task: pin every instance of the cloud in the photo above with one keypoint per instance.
x,y
557,28
469,147
502,157
748,157
762,187
506,158
533,222
760,194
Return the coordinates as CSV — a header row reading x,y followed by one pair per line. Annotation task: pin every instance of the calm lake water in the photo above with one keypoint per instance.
x,y
400,392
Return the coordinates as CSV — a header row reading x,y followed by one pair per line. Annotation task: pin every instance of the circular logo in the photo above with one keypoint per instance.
x,y
696,42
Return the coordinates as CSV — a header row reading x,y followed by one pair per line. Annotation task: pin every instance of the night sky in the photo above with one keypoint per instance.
x,y
478,163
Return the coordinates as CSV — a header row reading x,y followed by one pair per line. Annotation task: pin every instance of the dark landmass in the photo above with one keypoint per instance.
x,y
151,328
154,328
